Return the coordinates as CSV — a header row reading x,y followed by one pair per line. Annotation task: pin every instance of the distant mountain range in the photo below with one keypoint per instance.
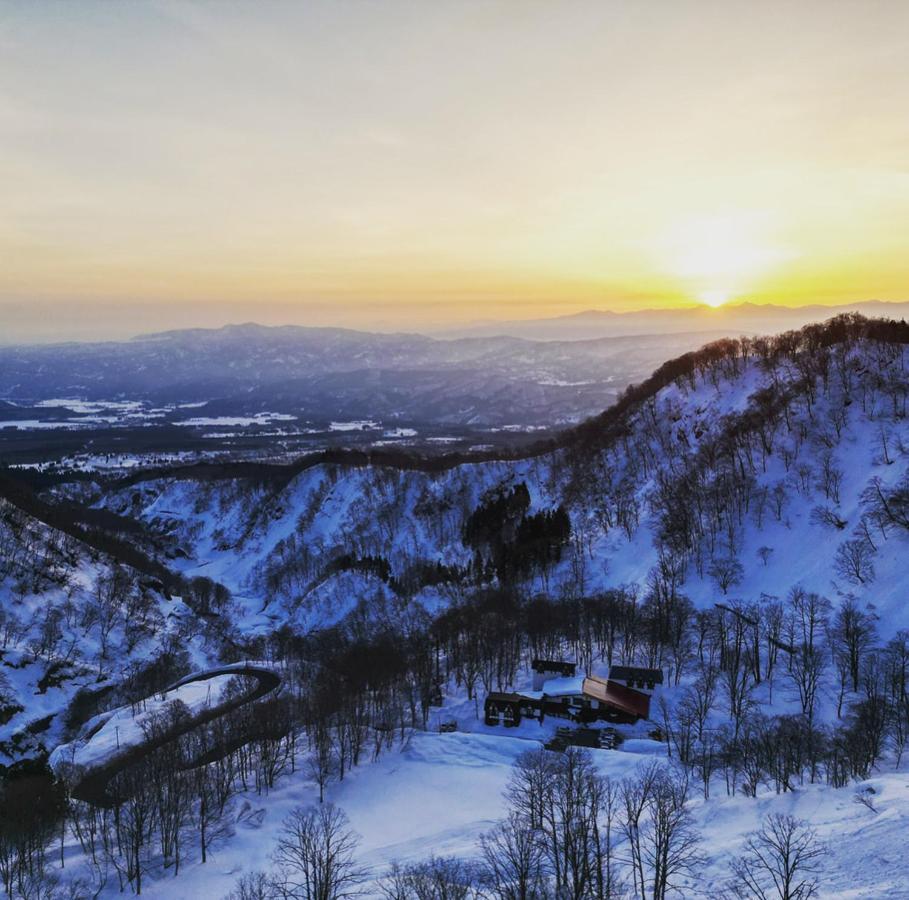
x,y
324,374
740,318
540,373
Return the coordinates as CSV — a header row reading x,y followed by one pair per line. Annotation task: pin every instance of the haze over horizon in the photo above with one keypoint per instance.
x,y
413,167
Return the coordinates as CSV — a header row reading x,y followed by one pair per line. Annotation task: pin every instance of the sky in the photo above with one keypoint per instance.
x,y
397,165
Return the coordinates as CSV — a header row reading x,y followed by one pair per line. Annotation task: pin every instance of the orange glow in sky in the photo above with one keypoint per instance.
x,y
415,164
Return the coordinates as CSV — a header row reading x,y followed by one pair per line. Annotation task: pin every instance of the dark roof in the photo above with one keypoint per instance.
x,y
635,673
553,665
617,695
498,697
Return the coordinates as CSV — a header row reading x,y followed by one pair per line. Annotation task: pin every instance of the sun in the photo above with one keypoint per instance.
x,y
717,256
714,298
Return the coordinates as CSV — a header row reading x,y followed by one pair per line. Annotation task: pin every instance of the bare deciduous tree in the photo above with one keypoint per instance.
x,y
781,861
853,561
513,861
661,837
438,878
315,855
254,886
727,572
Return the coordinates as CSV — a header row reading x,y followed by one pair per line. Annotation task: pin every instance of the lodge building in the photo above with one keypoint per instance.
x,y
557,691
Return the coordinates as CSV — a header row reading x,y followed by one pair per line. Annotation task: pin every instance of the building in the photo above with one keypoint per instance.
x,y
637,678
580,699
544,669
508,709
623,703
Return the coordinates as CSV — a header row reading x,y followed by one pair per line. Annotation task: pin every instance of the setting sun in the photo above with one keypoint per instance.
x,y
352,176
735,249
714,298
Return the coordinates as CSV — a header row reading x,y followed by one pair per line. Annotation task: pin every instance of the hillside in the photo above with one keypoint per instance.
x,y
750,445
78,627
738,520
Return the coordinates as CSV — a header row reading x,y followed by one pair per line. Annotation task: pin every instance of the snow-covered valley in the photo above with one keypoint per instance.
x,y
740,522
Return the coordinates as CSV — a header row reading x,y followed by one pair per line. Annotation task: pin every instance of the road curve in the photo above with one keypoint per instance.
x,y
92,785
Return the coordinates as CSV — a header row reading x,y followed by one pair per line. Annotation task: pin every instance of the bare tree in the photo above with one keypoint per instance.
x,y
322,762
807,623
529,785
671,842
513,861
560,837
438,878
824,515
254,886
727,572
315,855
831,478
851,635
605,804
889,506
781,861
806,669
135,824
853,561
661,837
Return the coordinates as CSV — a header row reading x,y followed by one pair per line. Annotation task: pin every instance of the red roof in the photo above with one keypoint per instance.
x,y
625,699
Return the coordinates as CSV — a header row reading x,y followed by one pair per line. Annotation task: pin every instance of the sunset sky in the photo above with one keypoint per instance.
x,y
410,165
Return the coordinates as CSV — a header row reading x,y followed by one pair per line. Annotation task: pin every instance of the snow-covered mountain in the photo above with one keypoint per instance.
x,y
750,465
383,595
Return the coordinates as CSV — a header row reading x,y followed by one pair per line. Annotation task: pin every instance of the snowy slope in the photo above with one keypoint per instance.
x,y
726,462
74,624
439,794
273,545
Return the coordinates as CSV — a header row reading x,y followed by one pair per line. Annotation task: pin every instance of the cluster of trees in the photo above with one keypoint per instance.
x,y
733,656
31,807
809,649
98,531
715,477
355,690
566,822
346,696
118,612
511,543
144,816
704,499
569,832
508,543
494,523
723,358
33,557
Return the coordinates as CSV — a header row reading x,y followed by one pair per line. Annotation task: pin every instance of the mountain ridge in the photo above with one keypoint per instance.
x,y
700,434
759,318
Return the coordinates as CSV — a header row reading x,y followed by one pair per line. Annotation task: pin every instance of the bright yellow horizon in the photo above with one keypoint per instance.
x,y
415,164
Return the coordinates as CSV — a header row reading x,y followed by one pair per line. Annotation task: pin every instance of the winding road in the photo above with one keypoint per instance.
x,y
92,786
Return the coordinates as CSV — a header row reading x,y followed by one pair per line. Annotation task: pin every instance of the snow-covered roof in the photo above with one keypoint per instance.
x,y
560,687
